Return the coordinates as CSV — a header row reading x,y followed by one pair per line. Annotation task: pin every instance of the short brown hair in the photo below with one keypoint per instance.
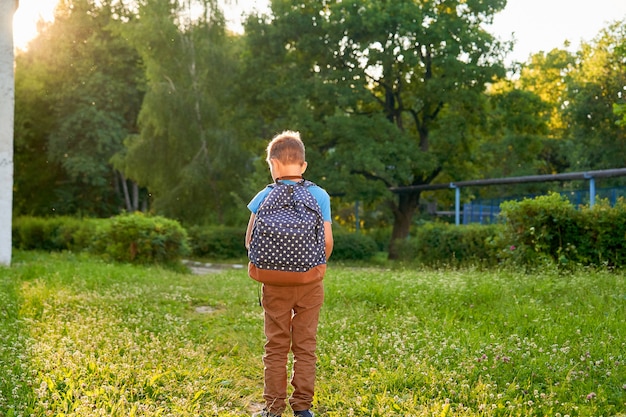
x,y
287,147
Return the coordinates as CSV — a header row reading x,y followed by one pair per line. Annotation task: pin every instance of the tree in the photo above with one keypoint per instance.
x,y
596,86
547,75
369,81
80,92
515,141
185,152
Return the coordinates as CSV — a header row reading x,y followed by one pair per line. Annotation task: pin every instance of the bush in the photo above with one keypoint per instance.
x,y
605,234
141,239
438,244
217,242
549,229
52,234
544,229
353,246
381,236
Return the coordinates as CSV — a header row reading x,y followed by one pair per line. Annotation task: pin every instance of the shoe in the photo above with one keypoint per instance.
x,y
303,413
265,413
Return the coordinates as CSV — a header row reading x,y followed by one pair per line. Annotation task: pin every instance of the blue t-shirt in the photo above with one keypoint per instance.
x,y
322,197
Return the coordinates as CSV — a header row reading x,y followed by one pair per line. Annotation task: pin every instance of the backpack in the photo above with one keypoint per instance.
x,y
288,231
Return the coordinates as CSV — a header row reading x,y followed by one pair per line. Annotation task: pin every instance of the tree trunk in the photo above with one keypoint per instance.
x,y
7,109
403,217
127,202
135,196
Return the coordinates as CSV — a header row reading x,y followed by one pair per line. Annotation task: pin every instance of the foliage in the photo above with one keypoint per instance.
x,y
36,177
141,239
597,141
604,241
550,230
82,337
217,242
517,119
53,234
186,152
443,244
546,75
386,94
542,228
525,130
353,247
620,110
135,238
368,82
78,91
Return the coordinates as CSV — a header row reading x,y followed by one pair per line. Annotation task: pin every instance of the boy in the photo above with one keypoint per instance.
x,y
291,300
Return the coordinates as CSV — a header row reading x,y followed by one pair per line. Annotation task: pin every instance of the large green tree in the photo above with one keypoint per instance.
x,y
79,89
369,82
186,153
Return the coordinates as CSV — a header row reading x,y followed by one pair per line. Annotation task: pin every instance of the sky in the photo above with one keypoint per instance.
x,y
536,25
542,25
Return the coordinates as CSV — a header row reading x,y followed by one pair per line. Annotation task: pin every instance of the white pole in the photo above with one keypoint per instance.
x,y
7,101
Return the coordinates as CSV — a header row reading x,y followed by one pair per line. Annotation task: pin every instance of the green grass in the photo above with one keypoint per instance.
x,y
80,337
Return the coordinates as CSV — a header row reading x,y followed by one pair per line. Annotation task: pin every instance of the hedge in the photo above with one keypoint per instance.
x,y
135,238
353,247
549,229
443,244
534,232
53,234
217,242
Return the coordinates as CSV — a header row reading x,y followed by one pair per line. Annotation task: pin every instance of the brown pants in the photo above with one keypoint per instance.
x,y
291,318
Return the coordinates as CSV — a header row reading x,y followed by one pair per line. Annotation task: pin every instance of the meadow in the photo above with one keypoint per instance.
x,y
82,337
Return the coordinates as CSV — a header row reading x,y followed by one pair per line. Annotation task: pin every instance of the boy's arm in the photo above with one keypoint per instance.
x,y
249,231
328,237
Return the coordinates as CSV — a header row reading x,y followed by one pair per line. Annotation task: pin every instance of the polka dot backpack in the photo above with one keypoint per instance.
x,y
288,232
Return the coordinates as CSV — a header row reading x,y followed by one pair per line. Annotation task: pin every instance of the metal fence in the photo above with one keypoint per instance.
x,y
486,211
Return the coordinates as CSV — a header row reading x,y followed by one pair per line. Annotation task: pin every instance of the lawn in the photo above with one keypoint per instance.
x,y
81,337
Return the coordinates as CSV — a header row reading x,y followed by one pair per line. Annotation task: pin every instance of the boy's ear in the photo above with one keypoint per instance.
x,y
304,165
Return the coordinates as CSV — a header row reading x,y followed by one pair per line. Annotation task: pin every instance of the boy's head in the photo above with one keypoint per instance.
x,y
287,148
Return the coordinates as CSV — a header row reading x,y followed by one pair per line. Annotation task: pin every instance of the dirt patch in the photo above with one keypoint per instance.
x,y
205,309
201,268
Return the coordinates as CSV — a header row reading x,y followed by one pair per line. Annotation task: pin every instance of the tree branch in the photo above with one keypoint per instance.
x,y
371,176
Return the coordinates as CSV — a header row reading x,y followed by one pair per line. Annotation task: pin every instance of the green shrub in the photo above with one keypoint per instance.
x,y
141,239
549,229
217,242
604,242
52,234
437,244
544,229
353,247
30,233
381,236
